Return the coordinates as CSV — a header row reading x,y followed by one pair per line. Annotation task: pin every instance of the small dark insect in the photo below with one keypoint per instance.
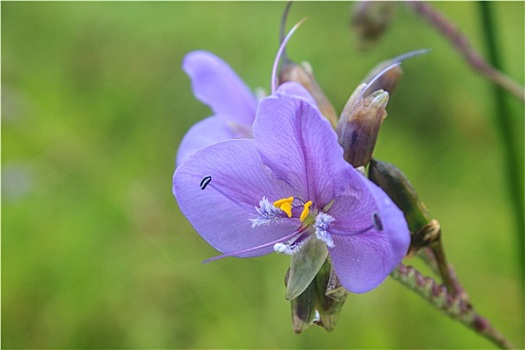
x,y
205,182
377,221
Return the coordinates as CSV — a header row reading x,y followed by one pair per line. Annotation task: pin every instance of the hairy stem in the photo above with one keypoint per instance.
x,y
461,43
457,307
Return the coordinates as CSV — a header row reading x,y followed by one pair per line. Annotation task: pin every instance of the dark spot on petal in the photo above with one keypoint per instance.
x,y
377,221
205,182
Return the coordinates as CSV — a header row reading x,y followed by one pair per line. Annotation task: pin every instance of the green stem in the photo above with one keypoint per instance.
x,y
505,126
441,260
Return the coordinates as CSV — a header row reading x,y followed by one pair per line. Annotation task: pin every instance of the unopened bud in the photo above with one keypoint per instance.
x,y
359,124
331,296
320,303
303,309
386,74
370,19
401,191
387,80
302,74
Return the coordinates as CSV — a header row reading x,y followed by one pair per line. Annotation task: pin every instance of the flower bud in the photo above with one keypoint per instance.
x,y
320,303
330,295
387,80
359,124
303,75
370,19
303,309
386,74
401,191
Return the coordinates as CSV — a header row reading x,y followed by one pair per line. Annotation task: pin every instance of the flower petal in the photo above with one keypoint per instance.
x,y
295,89
353,208
217,85
363,261
221,212
300,146
211,130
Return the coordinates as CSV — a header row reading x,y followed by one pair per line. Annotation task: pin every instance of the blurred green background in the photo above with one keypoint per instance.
x,y
96,254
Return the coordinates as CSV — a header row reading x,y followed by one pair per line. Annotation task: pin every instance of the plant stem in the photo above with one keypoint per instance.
x,y
441,260
456,307
461,43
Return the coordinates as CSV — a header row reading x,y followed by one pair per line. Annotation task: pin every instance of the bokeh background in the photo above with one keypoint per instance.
x,y
95,252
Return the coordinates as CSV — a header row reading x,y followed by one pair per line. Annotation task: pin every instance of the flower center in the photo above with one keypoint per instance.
x,y
312,221
286,205
282,209
272,212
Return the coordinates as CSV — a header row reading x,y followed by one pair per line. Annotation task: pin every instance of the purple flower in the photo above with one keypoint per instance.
x,y
217,85
290,186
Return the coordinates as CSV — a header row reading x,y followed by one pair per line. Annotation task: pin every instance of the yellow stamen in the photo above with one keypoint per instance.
x,y
287,208
278,202
306,211
285,205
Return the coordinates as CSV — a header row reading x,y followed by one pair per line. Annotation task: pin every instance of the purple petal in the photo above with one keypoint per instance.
x,y
294,89
363,261
207,132
353,207
217,85
221,212
300,147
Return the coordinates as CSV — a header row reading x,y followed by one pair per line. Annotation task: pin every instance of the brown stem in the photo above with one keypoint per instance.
x,y
461,43
457,307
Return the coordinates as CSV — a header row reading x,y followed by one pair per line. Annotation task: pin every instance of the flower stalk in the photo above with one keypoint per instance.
x,y
463,46
456,307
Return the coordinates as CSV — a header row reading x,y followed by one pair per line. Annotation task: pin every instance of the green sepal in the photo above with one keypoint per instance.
x,y
330,296
303,309
304,266
397,187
